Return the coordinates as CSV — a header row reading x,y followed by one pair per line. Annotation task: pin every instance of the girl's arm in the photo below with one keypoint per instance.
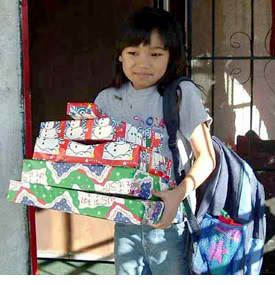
x,y
204,164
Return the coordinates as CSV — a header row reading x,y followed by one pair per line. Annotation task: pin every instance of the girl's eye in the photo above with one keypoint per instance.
x,y
132,53
156,54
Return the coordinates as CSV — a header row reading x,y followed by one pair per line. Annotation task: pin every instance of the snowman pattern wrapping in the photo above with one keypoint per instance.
x,y
101,129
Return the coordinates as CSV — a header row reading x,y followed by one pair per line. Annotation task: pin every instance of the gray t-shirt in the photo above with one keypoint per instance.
x,y
143,108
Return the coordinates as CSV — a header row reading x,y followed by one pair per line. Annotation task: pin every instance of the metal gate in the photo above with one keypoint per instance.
x,y
251,68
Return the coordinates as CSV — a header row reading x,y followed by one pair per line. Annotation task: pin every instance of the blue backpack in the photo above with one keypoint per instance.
x,y
218,247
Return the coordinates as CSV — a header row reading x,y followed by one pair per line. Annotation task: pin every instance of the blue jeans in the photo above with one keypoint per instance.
x,y
143,250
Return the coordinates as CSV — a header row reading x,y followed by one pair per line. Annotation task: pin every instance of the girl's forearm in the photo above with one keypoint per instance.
x,y
200,170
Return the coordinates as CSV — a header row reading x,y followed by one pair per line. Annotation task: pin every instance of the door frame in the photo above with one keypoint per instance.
x,y
28,148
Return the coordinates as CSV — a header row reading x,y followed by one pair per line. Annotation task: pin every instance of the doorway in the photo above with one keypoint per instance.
x,y
71,51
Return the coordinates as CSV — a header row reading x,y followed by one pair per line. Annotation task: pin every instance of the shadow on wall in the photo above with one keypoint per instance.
x,y
232,79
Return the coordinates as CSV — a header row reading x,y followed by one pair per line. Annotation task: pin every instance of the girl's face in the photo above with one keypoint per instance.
x,y
144,65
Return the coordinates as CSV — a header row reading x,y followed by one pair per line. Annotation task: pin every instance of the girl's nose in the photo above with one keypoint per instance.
x,y
143,61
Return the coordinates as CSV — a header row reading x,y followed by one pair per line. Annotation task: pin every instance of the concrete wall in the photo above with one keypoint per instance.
x,y
14,248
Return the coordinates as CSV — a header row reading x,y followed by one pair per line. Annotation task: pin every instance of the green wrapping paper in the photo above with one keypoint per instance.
x,y
129,211
94,178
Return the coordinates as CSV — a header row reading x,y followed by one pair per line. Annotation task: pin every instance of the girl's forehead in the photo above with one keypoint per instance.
x,y
155,40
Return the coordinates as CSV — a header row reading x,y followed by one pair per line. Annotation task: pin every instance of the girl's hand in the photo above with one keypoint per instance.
x,y
171,199
204,164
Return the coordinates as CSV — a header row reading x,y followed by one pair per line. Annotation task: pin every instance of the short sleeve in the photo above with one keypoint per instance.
x,y
101,99
192,111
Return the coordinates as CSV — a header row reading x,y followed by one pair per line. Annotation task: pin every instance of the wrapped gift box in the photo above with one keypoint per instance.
x,y
110,153
100,129
153,162
83,111
81,130
94,178
145,137
129,211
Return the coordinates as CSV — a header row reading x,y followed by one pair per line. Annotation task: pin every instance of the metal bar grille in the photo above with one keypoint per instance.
x,y
213,58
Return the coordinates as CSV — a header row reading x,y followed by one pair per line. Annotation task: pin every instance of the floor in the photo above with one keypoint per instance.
x,y
70,267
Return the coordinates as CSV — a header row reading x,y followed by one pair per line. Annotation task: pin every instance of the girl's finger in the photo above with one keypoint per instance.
x,y
162,225
159,225
158,194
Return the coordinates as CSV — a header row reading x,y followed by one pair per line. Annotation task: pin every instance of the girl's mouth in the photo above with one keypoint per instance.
x,y
142,74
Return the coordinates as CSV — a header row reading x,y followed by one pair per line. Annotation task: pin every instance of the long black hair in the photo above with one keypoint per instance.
x,y
137,29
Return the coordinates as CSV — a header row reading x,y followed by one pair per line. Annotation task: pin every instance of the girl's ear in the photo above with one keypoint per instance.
x,y
120,58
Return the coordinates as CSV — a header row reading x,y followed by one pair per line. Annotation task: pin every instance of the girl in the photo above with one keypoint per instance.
x,y
149,56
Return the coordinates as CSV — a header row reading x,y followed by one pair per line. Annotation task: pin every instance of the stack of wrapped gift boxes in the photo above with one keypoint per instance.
x,y
96,166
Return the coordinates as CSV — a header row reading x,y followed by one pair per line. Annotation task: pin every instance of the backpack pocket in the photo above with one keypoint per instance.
x,y
220,250
254,257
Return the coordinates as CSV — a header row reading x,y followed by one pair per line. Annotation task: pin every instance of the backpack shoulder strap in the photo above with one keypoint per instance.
x,y
171,119
170,113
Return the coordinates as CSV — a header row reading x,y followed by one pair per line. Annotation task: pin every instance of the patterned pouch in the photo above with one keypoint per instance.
x,y
220,250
